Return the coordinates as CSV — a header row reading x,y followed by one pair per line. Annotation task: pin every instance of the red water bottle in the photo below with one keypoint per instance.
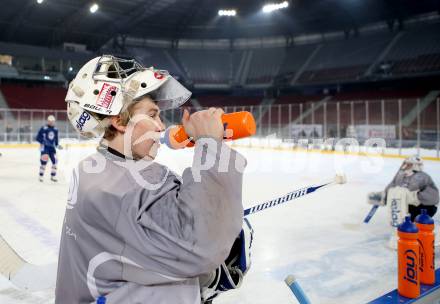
x,y
408,259
425,223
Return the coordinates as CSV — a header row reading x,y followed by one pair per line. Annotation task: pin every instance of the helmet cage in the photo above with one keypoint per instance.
x,y
110,67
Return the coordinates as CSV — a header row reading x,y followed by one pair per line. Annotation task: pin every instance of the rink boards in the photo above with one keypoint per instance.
x,y
429,294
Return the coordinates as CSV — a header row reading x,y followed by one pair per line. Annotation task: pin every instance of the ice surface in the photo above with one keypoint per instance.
x,y
318,238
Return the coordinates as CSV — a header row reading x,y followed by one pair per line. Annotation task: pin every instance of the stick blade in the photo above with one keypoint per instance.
x,y
340,178
22,274
10,261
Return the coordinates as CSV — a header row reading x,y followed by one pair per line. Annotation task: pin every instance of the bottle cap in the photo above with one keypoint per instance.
x,y
101,300
407,226
424,218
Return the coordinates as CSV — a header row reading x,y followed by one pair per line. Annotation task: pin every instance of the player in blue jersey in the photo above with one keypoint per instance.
x,y
48,139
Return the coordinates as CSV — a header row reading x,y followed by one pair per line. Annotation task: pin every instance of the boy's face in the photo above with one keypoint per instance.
x,y
144,129
406,166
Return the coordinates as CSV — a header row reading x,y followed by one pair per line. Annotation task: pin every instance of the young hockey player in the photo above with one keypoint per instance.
x,y
421,191
48,138
410,191
414,185
134,231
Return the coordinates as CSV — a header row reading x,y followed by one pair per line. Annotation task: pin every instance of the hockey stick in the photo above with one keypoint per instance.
x,y
355,226
23,274
339,179
296,289
375,207
371,214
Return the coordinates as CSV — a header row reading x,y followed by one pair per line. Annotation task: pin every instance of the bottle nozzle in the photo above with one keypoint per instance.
x,y
407,225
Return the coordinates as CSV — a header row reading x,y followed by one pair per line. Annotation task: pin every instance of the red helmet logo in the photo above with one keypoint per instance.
x,y
158,75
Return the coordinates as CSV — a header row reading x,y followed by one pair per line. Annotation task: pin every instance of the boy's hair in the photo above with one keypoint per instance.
x,y
125,115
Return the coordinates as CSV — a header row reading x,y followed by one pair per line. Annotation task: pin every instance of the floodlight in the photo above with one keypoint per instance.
x,y
93,8
228,13
268,8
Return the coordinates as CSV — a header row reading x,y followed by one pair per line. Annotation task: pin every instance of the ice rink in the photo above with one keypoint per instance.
x,y
318,238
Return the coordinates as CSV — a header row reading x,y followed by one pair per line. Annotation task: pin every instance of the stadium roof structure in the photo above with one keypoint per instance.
x,y
53,22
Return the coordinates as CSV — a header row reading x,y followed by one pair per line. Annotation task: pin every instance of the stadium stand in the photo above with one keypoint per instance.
x,y
351,52
154,57
196,61
417,51
28,57
380,94
265,65
8,71
345,59
19,96
295,58
225,100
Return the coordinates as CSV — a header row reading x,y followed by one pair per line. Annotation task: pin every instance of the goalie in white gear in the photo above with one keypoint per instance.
x,y
410,191
134,231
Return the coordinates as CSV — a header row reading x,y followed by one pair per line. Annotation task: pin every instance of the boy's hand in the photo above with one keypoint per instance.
x,y
206,123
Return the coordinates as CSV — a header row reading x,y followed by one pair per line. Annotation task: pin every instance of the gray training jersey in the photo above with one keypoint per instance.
x,y
135,244
419,181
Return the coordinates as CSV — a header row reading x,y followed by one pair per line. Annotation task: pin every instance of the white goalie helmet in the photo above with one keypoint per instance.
x,y
105,85
415,163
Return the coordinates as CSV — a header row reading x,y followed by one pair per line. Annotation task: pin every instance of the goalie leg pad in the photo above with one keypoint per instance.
x,y
397,205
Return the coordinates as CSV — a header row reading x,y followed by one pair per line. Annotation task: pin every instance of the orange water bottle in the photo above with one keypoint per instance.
x,y
237,125
425,223
408,259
